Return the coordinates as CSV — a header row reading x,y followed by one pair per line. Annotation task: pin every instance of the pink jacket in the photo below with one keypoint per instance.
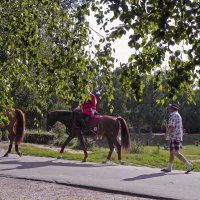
x,y
89,107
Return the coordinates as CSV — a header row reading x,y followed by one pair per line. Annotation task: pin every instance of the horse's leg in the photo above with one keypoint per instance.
x,y
70,137
118,148
117,143
111,146
82,142
9,148
17,150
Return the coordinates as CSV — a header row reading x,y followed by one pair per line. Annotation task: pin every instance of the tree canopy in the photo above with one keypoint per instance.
x,y
44,48
165,38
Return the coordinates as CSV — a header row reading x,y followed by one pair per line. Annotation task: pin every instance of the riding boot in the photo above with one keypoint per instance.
x,y
84,125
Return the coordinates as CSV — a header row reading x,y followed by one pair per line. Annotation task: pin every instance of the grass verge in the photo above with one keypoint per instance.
x,y
150,156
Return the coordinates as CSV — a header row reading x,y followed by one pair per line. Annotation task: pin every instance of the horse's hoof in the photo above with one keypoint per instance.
x,y
6,155
20,154
121,162
105,161
84,160
60,155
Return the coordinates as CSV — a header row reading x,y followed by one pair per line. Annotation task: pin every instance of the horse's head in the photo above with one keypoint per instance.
x,y
50,121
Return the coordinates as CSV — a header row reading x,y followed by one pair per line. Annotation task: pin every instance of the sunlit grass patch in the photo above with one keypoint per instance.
x,y
150,156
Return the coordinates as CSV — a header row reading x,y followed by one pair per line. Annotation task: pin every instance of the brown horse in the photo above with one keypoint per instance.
x,y
108,126
15,125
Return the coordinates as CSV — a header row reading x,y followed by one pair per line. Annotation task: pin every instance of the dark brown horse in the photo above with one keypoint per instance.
x,y
108,126
15,125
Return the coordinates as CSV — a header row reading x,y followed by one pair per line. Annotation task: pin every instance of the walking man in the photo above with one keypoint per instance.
x,y
175,134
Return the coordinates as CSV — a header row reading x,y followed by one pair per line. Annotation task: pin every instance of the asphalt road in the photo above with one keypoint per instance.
x,y
141,181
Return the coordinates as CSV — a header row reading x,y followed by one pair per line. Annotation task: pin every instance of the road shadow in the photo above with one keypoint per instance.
x,y
148,176
36,164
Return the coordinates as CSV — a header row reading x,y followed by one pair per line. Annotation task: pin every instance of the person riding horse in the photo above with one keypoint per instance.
x,y
85,112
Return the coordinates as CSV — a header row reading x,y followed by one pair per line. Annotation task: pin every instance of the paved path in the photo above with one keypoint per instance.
x,y
144,181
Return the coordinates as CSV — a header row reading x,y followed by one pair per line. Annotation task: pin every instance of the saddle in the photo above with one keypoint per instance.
x,y
90,125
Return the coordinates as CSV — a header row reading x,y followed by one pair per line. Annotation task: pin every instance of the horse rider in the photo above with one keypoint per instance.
x,y
89,106
85,111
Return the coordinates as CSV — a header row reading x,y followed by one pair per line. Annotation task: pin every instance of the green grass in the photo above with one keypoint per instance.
x,y
149,156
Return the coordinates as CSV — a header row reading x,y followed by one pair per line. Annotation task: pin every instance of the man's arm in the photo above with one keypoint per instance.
x,y
168,131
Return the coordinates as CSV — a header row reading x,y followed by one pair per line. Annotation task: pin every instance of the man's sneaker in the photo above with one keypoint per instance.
x,y
166,170
189,168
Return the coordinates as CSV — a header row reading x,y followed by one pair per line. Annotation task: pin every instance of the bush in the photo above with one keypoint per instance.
x,y
38,137
3,135
137,146
60,134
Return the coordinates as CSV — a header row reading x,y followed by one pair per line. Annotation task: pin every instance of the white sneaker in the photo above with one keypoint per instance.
x,y
167,169
189,168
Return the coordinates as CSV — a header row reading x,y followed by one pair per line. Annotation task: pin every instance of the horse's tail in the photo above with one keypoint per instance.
x,y
20,126
125,134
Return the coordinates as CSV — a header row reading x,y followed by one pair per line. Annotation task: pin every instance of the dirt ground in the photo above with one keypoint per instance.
x,y
20,189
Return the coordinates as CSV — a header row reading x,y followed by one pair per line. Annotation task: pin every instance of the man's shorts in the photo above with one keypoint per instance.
x,y
175,145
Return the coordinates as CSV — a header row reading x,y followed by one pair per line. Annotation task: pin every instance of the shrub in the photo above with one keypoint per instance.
x,y
60,134
3,135
137,146
38,137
